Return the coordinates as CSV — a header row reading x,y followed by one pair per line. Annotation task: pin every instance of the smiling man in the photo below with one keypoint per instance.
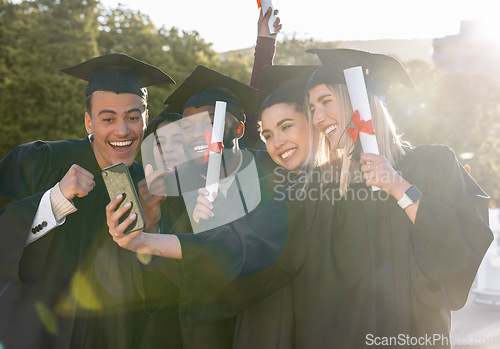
x,y
63,282
117,126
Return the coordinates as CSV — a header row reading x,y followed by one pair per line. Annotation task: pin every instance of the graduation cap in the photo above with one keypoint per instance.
x,y
283,83
380,71
119,73
205,86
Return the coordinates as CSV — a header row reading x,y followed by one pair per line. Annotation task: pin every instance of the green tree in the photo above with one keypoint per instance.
x,y
236,64
291,50
176,53
133,33
37,39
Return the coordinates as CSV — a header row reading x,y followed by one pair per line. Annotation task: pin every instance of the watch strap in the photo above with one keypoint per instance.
x,y
411,196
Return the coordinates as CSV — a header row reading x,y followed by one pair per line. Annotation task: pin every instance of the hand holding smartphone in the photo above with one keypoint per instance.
x,y
118,181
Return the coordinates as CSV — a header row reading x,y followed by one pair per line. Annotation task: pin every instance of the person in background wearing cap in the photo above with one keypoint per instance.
x,y
166,141
65,284
387,265
162,151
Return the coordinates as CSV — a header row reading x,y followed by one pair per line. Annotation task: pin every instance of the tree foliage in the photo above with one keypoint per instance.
x,y
177,53
36,39
291,50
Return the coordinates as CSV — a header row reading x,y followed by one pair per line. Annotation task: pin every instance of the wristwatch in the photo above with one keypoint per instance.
x,y
410,197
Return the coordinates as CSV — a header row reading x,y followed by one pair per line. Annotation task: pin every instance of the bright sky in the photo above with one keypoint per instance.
x,y
232,24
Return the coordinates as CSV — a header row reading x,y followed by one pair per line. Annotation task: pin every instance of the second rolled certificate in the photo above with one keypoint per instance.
x,y
215,157
358,95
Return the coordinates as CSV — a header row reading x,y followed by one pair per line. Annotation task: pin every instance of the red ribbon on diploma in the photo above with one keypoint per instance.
x,y
212,147
361,126
258,4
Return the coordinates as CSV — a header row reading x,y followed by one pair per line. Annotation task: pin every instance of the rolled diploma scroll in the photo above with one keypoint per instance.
x,y
264,5
214,160
356,86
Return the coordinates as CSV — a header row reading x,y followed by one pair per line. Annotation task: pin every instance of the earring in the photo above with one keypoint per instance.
x,y
239,130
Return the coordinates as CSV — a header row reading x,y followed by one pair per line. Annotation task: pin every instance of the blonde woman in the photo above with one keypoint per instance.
x,y
388,265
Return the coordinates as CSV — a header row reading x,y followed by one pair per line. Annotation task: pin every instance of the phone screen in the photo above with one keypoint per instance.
x,y
118,181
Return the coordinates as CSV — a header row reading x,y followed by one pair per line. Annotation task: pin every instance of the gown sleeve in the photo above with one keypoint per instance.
x,y
451,233
26,173
264,55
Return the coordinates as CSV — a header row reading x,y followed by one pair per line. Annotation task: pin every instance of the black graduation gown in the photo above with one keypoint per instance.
x,y
371,277
227,270
158,286
74,287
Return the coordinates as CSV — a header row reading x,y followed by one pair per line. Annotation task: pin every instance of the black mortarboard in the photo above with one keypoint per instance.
x,y
283,83
380,71
119,73
206,86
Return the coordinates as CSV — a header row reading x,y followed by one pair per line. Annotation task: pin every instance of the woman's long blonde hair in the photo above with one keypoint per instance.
x,y
321,152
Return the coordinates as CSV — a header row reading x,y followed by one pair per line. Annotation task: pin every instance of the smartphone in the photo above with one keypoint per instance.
x,y
118,181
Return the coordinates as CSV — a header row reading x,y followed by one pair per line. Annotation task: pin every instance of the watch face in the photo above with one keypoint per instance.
x,y
413,193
